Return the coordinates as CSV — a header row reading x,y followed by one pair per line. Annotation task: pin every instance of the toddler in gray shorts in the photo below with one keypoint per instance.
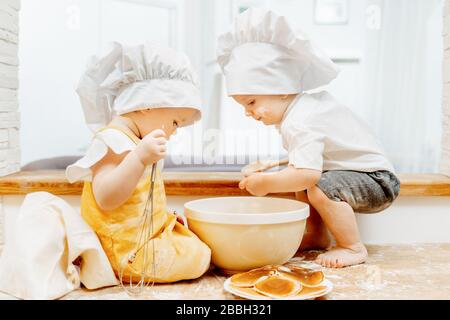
x,y
336,164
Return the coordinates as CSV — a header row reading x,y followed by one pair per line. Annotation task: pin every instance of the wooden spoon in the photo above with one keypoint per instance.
x,y
264,165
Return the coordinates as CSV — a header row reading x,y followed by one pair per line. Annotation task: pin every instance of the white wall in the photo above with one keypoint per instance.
x,y
57,37
9,82
445,160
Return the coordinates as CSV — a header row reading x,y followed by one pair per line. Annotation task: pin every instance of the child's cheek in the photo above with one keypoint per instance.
x,y
167,130
268,113
262,111
171,133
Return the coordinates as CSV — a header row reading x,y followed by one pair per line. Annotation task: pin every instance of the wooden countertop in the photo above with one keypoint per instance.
x,y
197,184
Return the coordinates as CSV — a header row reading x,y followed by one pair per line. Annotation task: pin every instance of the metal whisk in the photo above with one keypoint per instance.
x,y
144,237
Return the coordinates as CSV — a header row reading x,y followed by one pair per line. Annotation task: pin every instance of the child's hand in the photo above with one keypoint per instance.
x,y
152,147
255,184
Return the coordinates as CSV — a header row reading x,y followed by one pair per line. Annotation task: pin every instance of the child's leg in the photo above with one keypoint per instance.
x,y
340,220
316,234
337,196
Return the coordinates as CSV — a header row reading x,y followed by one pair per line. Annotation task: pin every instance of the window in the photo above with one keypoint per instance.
x,y
391,75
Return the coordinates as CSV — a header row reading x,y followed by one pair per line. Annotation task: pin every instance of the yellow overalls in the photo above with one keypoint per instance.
x,y
179,253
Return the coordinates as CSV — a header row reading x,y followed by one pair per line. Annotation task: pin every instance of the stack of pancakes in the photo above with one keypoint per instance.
x,y
277,282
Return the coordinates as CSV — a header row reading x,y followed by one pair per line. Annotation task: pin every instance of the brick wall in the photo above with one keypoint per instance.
x,y
445,163
9,65
9,104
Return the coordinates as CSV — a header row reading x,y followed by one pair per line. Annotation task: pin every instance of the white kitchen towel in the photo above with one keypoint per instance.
x,y
44,240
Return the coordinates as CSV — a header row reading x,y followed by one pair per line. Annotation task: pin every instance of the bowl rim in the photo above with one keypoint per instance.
x,y
246,218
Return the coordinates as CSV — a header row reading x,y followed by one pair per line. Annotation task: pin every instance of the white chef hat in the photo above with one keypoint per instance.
x,y
130,78
264,55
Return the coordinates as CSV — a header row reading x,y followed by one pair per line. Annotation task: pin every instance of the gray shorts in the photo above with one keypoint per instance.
x,y
365,192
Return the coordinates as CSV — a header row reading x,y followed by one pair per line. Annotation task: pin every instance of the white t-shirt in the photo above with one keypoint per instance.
x,y
321,134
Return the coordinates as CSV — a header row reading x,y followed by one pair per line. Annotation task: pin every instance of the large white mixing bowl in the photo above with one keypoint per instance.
x,y
248,232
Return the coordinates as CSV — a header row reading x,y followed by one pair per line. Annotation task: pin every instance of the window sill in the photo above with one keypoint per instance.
x,y
196,184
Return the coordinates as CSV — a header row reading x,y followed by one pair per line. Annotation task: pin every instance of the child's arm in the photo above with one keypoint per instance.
x,y
287,180
116,176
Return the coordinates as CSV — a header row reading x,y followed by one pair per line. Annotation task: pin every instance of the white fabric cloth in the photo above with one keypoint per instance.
x,y
130,78
263,54
44,239
321,134
114,139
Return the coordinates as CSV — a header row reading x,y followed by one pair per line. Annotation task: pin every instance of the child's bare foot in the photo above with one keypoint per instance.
x,y
339,257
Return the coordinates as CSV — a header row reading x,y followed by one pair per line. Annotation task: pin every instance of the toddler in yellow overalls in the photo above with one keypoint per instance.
x,y
134,98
